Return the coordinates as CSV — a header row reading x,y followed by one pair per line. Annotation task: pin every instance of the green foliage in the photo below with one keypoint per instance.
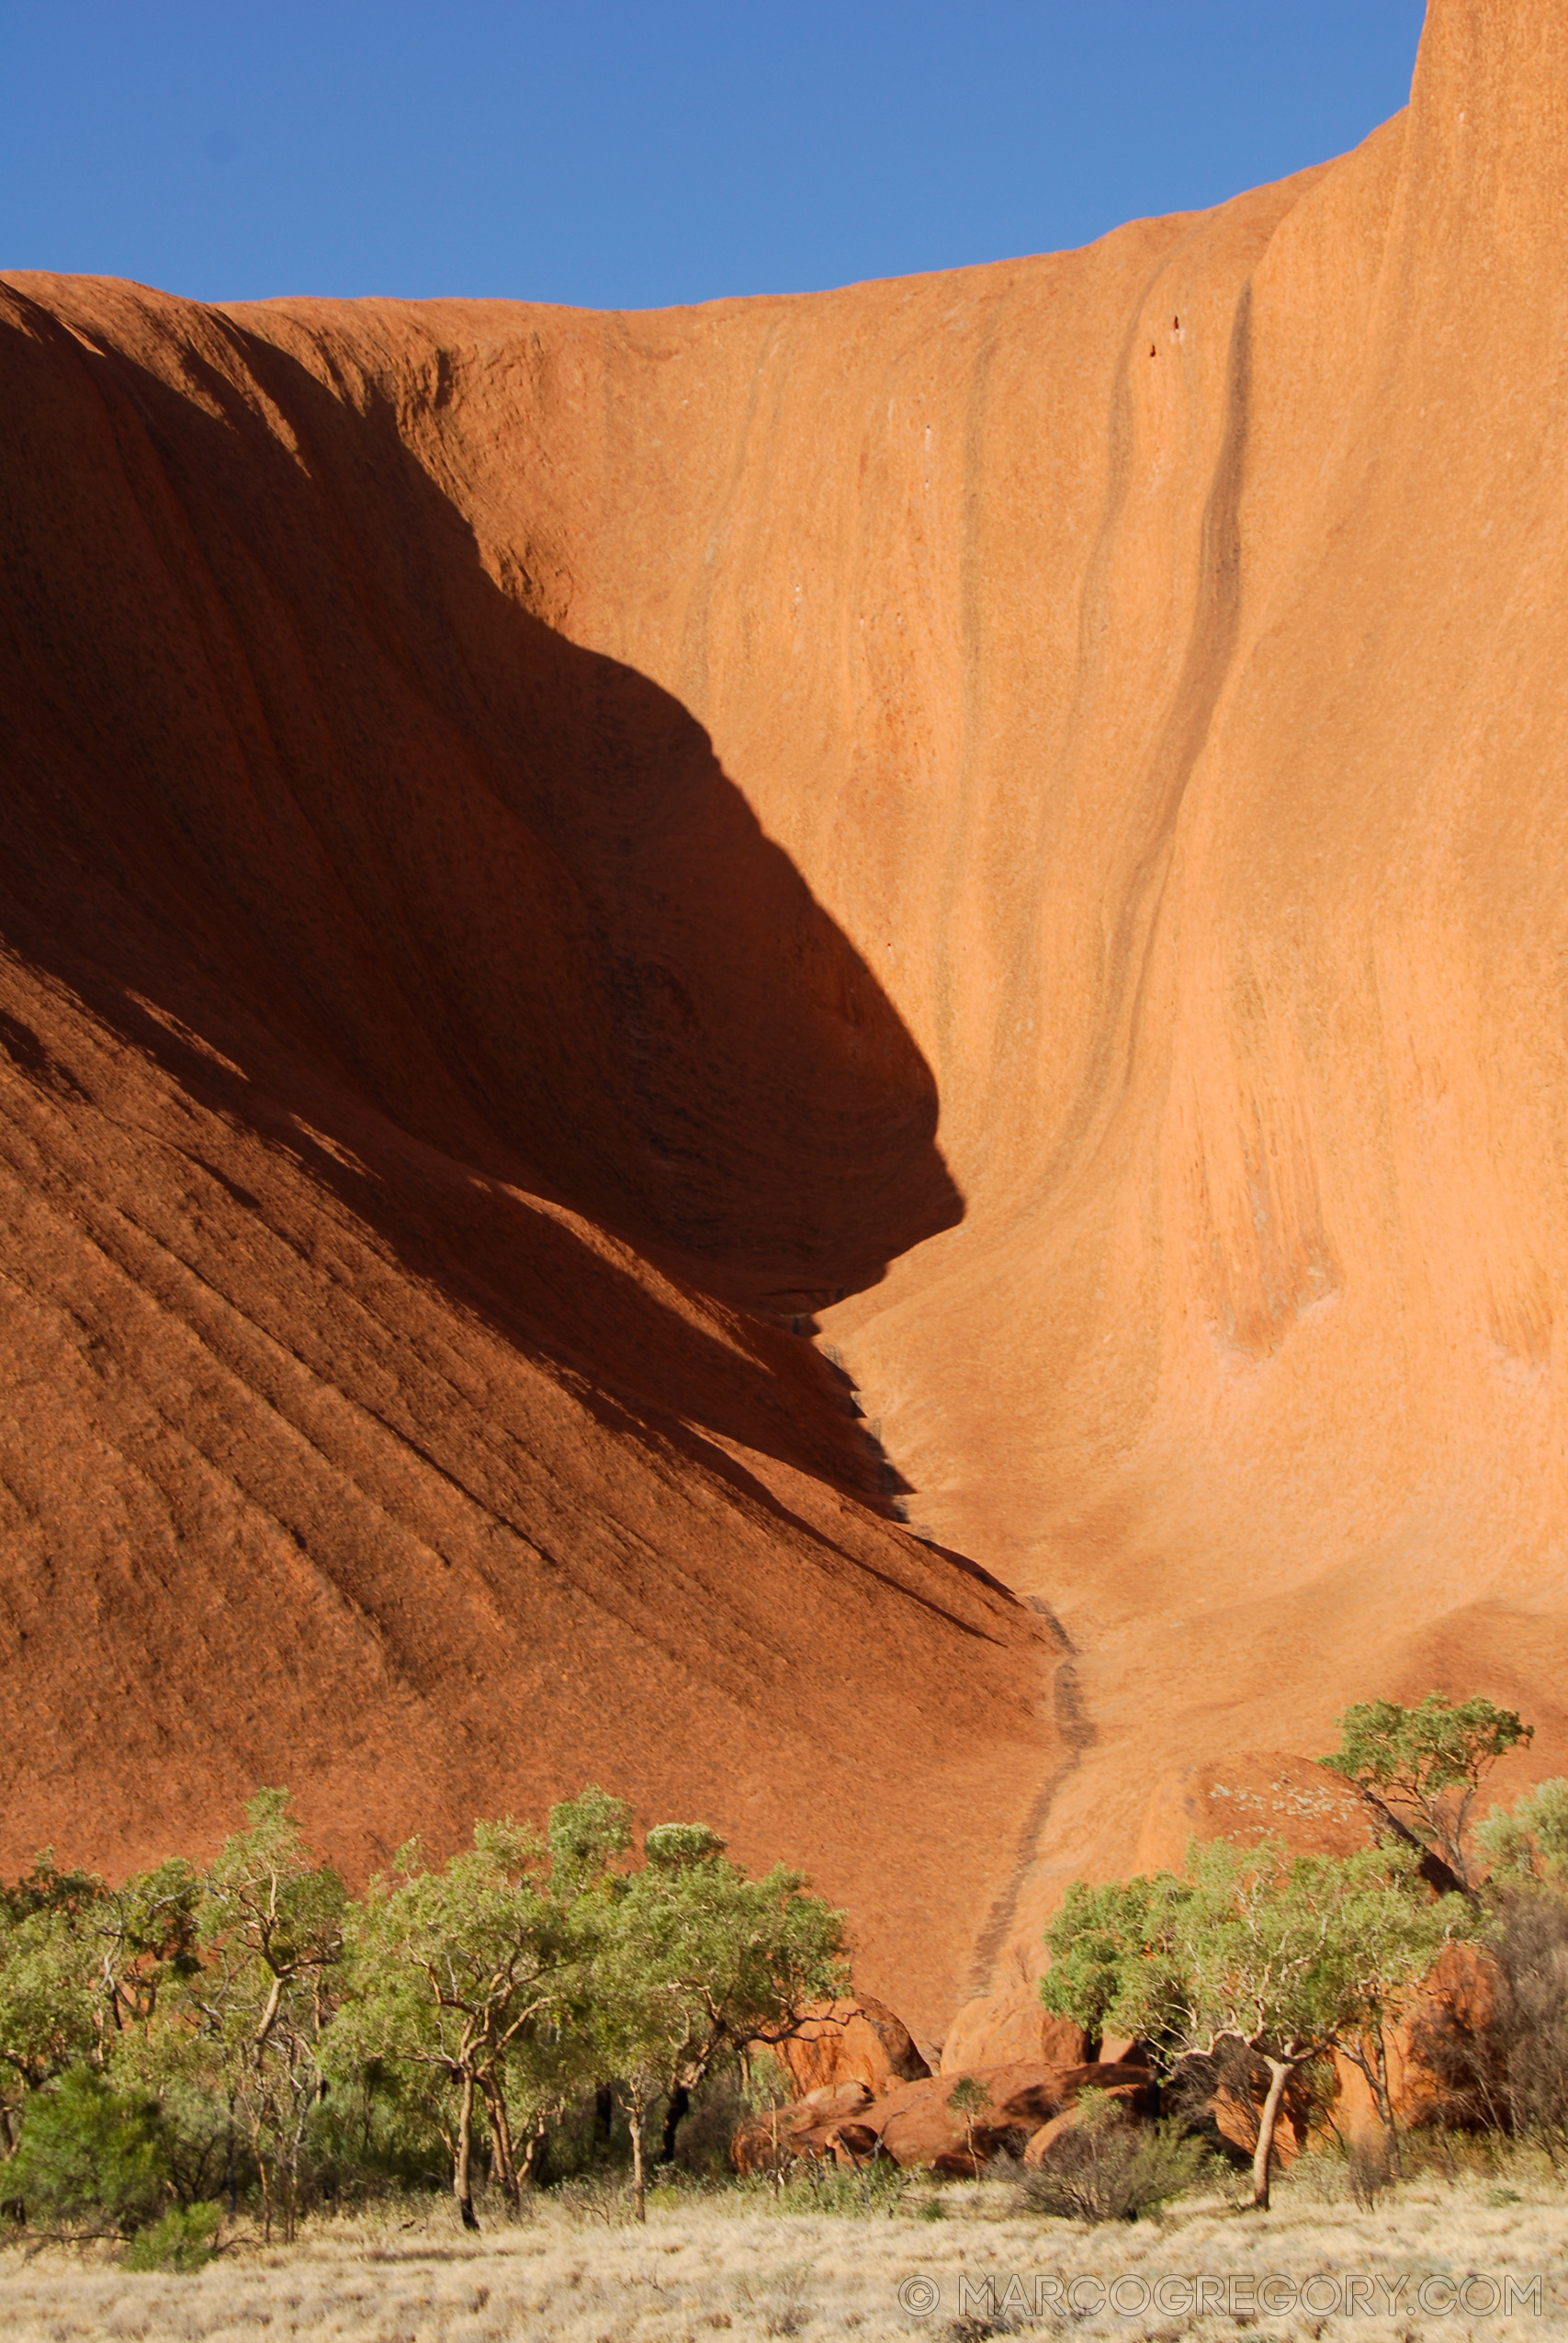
x,y
1276,1950
967,2100
693,1962
147,1934
586,1834
1529,1841
465,1979
1289,1957
249,2030
66,1895
254,1996
847,2192
372,2134
266,1901
1103,2169
702,1960
49,2004
184,2240
1094,1943
90,2153
671,1846
1419,1768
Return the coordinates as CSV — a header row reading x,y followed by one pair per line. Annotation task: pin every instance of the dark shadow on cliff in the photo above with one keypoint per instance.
x,y
477,905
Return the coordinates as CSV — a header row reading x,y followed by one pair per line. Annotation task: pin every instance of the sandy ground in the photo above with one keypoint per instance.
x,y
1430,2260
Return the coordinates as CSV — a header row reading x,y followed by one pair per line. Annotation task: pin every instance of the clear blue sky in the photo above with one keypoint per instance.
x,y
622,153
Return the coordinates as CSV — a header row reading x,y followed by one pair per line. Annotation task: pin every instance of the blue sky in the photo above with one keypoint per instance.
x,y
623,153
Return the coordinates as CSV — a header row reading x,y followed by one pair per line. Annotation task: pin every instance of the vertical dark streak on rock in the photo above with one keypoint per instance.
x,y
1078,1734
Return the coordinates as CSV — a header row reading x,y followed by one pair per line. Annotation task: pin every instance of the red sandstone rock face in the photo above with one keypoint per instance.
x,y
537,846
1254,1794
859,2045
1006,2028
423,1087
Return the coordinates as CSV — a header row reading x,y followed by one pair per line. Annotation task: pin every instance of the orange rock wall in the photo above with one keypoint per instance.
x,y
1049,777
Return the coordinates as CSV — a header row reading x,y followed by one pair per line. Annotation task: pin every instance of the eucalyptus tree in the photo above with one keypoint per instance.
x,y
255,2008
1527,1842
469,1973
1290,1958
1419,1771
49,2007
694,1961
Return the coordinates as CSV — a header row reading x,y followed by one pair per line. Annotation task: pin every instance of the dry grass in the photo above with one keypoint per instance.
x,y
728,2266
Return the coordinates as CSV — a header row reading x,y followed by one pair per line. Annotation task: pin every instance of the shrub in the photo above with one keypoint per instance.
x,y
1104,2170
596,2196
1505,2068
182,2240
853,2191
91,2153
1370,2168
1321,2174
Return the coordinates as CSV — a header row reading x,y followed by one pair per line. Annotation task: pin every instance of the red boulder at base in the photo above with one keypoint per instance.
x,y
917,2124
808,2127
1132,2103
853,2041
1003,2029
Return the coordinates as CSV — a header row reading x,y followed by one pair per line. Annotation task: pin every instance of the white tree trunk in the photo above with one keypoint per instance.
x,y
1280,2073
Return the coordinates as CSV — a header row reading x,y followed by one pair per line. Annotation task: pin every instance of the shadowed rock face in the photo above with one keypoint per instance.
x,y
538,845
429,1099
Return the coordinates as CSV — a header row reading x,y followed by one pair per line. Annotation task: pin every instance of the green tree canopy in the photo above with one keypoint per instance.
x,y
1288,1956
91,2153
256,1993
693,1959
1419,1770
50,2007
1529,1841
470,1971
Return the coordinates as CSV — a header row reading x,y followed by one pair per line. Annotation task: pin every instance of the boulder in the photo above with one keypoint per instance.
x,y
1123,2050
1237,2118
919,2124
1252,1795
852,2040
1002,2029
1133,2104
805,2127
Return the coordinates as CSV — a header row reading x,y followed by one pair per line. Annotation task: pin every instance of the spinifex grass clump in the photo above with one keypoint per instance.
x,y
1104,2168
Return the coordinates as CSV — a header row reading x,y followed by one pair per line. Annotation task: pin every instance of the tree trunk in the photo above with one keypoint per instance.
x,y
1280,2073
675,2112
528,2169
636,2110
462,2161
1372,2064
604,2112
502,2158
1386,2104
